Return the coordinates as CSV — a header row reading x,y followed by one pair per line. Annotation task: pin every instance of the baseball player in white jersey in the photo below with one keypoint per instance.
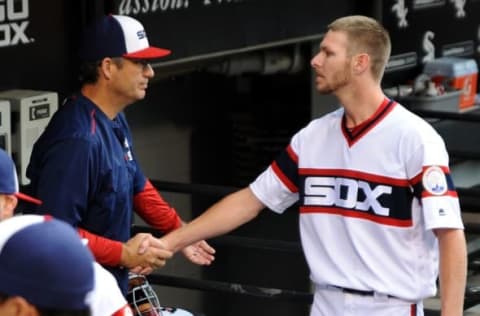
x,y
379,214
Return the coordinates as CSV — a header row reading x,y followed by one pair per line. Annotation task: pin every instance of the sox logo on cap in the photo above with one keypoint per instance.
x,y
118,36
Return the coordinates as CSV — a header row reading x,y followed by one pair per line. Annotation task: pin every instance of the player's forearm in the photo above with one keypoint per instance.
x,y
229,213
453,270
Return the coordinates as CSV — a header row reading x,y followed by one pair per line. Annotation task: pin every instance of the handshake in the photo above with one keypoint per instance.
x,y
144,253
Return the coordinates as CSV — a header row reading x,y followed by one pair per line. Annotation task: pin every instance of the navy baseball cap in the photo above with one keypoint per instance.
x,y
43,260
9,180
117,36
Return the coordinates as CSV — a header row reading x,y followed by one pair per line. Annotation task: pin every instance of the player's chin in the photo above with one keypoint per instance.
x,y
323,89
321,84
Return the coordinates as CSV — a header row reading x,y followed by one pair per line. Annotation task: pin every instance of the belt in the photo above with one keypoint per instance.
x,y
360,292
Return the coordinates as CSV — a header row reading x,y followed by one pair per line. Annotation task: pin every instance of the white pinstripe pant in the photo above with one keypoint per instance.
x,y
331,301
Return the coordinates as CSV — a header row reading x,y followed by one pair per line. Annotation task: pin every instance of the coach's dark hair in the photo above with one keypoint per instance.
x,y
88,72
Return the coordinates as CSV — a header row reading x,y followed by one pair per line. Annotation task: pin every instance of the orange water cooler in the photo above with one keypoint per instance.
x,y
459,73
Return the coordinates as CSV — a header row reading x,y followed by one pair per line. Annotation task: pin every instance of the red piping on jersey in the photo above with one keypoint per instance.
x,y
413,310
124,311
419,176
292,187
355,174
385,107
425,194
416,179
356,214
451,193
292,154
93,123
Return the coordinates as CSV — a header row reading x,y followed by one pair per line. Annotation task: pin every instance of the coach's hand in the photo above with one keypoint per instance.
x,y
144,253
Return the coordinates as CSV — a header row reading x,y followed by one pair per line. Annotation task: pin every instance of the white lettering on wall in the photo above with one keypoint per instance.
x,y
459,8
14,22
401,11
213,2
135,7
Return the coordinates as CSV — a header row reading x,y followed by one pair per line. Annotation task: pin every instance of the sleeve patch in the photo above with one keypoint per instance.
x,y
434,181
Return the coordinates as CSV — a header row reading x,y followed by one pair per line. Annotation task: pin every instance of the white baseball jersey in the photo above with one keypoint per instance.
x,y
106,298
368,200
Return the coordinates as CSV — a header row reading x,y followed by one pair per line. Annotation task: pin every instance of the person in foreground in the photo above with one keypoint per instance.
x,y
105,299
40,273
379,214
83,166
33,282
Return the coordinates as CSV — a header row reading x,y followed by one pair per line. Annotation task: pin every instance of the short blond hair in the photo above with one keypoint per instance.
x,y
366,35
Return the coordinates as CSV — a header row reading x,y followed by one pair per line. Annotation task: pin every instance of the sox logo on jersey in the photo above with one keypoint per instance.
x,y
344,192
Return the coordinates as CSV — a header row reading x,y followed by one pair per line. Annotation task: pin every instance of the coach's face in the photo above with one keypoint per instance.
x,y
332,63
130,78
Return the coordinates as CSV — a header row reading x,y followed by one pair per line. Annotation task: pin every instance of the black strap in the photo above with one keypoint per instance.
x,y
359,292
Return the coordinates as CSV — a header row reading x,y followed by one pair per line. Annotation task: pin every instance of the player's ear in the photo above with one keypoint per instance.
x,y
361,63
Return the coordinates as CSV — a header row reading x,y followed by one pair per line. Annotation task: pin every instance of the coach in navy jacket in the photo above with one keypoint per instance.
x,y
83,167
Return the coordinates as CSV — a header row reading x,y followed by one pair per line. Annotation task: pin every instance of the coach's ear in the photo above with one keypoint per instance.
x,y
17,306
107,67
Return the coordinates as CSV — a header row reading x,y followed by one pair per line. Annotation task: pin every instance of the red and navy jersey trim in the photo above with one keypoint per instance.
x,y
381,199
419,189
352,136
286,168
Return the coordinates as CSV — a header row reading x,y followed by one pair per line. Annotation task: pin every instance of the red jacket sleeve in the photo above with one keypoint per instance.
x,y
106,251
153,209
